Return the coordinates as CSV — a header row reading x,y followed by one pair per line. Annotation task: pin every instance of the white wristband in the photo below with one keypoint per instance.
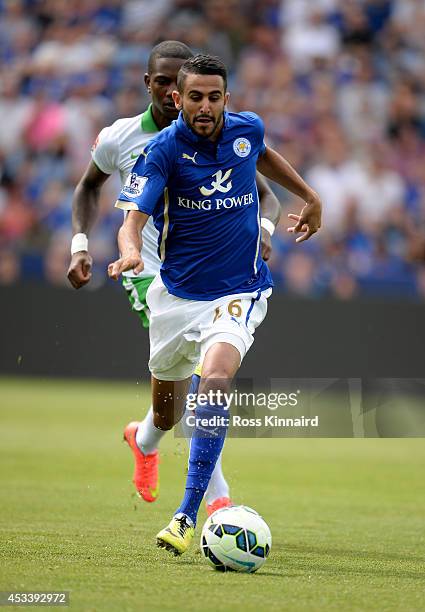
x,y
268,225
79,243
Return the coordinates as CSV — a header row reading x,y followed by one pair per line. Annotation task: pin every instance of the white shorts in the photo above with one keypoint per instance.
x,y
181,331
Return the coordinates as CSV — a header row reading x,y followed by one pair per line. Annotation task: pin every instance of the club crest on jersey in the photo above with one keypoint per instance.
x,y
242,147
134,185
218,183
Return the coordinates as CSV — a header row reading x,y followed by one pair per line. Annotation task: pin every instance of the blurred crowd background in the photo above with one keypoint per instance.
x,y
340,85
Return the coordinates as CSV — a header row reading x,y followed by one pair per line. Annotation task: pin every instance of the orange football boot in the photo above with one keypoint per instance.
x,y
145,475
220,502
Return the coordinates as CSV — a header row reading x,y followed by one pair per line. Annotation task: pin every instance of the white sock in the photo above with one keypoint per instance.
x,y
148,436
218,486
187,429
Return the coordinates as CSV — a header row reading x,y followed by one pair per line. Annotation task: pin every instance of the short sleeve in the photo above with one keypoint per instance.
x,y
147,180
259,129
256,129
105,151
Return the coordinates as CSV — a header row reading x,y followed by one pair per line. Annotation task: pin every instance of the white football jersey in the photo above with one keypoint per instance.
x,y
117,148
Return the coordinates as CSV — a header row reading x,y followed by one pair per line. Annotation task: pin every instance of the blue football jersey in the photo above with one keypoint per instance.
x,y
204,202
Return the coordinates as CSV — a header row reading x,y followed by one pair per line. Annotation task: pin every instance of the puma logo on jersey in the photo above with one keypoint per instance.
x,y
218,183
187,156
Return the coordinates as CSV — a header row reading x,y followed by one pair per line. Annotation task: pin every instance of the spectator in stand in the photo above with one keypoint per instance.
x,y
340,85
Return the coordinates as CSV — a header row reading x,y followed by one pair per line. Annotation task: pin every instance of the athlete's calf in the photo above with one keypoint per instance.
x,y
168,401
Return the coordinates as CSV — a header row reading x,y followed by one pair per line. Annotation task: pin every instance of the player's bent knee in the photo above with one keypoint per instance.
x,y
223,352
217,383
222,360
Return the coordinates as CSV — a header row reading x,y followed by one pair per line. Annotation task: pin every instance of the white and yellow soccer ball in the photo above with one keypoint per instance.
x,y
236,539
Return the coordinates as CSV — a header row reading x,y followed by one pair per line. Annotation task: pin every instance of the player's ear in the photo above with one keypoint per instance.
x,y
147,79
226,98
177,99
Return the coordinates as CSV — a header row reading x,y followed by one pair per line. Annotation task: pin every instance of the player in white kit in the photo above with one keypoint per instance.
x,y
116,149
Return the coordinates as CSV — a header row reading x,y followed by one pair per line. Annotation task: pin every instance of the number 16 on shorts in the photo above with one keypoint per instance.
x,y
234,308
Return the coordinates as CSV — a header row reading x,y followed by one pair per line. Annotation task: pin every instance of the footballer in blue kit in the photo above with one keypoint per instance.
x,y
204,202
115,151
197,180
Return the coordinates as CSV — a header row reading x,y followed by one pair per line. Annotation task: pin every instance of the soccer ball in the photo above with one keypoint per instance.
x,y
236,538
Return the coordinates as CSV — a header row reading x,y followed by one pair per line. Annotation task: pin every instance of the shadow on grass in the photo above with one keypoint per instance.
x,y
261,572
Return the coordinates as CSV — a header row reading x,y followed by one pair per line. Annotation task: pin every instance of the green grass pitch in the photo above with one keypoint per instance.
x,y
347,515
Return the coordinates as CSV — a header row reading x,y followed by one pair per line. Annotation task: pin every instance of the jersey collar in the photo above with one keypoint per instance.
x,y
148,122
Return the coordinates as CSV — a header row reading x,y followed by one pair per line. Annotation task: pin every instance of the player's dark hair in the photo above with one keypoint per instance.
x,y
201,64
168,49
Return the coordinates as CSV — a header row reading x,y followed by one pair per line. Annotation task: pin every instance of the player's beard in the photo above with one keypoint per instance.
x,y
210,129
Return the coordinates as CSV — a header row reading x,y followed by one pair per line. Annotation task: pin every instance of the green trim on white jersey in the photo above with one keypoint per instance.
x,y
137,289
118,147
148,122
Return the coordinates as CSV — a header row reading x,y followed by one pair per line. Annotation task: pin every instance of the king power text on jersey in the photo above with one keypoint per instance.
x,y
217,203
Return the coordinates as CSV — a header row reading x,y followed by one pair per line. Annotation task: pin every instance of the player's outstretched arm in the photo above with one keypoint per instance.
x,y
129,245
85,206
278,169
270,214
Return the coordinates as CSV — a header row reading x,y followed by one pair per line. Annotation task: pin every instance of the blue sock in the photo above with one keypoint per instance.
x,y
207,443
